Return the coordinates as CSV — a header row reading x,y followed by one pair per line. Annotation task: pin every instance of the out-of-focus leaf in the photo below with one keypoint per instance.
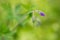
x,y
17,8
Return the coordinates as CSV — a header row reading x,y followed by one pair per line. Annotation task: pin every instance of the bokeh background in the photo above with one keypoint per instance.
x,y
16,23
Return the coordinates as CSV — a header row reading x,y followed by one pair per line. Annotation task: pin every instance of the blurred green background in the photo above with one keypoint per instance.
x,y
16,23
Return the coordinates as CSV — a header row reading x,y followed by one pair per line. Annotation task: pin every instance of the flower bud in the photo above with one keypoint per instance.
x,y
42,14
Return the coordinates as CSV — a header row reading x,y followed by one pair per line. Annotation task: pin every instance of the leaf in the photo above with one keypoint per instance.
x,y
6,15
30,14
17,8
6,6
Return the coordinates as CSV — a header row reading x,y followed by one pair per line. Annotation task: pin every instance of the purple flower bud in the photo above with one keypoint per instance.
x,y
42,14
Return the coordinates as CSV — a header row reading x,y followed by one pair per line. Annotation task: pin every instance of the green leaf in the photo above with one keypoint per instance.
x,y
17,8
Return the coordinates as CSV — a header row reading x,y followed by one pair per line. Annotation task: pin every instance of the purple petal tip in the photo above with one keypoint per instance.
x,y
42,14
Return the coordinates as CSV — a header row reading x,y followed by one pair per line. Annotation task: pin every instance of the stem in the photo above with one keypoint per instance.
x,y
24,17
3,37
